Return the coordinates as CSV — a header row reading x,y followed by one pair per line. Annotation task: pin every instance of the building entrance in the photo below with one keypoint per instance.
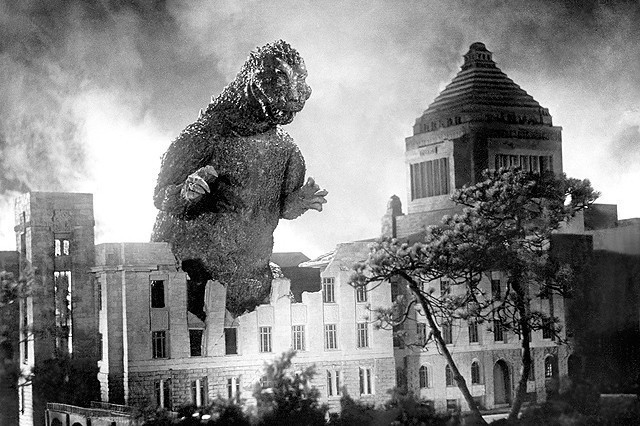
x,y
501,383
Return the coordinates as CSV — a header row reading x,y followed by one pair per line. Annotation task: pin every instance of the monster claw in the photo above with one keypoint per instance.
x,y
316,206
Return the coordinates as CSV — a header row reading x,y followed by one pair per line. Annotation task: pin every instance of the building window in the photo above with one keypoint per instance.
x,y
421,331
163,393
63,310
195,342
475,373
495,289
452,405
423,373
366,381
547,329
550,367
157,294
265,339
266,382
398,339
199,393
448,376
498,333
395,289
334,385
297,338
363,335
100,353
233,387
479,400
473,332
447,333
445,287
361,294
429,178
61,247
25,329
546,163
528,163
98,286
328,290
330,336
159,342
231,341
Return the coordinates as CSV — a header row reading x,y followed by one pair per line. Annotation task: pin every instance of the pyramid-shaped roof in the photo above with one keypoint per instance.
x,y
480,83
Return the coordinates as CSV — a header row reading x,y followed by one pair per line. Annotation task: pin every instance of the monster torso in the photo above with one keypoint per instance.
x,y
230,233
224,230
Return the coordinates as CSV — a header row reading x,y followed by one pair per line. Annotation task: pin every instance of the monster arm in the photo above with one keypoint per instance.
x,y
184,176
299,198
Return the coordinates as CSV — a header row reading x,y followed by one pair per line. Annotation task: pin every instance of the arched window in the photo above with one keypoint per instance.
x,y
475,373
449,376
550,367
424,377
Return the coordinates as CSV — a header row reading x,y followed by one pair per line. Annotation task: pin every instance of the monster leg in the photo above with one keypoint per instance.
x,y
196,285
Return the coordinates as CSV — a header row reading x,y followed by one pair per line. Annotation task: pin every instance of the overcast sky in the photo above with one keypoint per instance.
x,y
92,92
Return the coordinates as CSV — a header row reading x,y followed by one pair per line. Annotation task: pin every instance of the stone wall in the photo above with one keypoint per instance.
x,y
142,384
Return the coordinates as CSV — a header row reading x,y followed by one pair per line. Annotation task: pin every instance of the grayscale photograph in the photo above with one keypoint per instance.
x,y
319,213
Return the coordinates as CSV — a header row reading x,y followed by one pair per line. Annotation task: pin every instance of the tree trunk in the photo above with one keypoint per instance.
x,y
437,335
522,305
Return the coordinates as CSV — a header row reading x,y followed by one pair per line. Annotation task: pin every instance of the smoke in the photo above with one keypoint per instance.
x,y
93,91
626,146
88,87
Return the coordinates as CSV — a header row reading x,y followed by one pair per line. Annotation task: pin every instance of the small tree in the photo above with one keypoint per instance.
x,y
416,265
56,379
286,397
506,225
12,291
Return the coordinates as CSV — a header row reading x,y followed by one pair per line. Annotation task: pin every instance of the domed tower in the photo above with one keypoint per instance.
x,y
481,120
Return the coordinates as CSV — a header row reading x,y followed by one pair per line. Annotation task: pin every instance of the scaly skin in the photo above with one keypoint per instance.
x,y
229,177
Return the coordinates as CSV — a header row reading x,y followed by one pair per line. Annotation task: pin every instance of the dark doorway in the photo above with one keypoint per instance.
x,y
575,366
501,383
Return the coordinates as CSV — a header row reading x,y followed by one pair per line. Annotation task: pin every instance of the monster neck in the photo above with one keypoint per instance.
x,y
233,112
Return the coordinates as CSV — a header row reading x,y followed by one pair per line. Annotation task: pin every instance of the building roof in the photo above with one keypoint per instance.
x,y
481,83
320,261
287,259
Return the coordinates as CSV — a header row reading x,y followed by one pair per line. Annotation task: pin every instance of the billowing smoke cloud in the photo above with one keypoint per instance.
x,y
93,91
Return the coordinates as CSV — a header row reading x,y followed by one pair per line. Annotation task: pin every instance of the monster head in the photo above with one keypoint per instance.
x,y
275,77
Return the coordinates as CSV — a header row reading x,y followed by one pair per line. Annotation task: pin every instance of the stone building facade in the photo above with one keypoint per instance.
x,y
488,357
55,237
155,352
9,345
481,120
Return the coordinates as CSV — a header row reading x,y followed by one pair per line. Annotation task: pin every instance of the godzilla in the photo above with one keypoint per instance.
x,y
230,176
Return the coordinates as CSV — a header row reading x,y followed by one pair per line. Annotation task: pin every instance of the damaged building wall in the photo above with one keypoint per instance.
x,y
160,354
